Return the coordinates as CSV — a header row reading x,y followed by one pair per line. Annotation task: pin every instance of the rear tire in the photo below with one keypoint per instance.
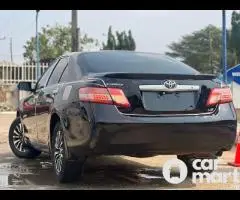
x,y
65,169
17,141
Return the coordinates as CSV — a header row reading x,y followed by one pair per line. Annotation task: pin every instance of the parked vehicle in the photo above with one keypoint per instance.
x,y
122,103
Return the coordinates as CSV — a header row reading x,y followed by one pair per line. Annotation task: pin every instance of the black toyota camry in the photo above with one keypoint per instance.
x,y
122,103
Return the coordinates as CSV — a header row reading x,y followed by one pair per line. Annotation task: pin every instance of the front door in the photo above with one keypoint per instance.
x,y
28,117
44,103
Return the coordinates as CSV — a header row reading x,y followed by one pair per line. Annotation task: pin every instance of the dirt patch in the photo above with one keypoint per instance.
x,y
5,122
4,148
5,107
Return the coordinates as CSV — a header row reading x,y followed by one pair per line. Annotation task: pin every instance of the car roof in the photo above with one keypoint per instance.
x,y
75,54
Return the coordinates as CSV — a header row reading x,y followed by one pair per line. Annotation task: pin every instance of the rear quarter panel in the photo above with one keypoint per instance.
x,y
74,115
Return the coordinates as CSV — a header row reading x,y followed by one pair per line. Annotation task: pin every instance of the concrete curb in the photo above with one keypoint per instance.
x,y
7,112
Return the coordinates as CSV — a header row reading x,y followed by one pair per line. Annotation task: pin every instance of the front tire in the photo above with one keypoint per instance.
x,y
18,143
65,169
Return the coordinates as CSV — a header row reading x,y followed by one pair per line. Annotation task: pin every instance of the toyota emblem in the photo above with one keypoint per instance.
x,y
170,84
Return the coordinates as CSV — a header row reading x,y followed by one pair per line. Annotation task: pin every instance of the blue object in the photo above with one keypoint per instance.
x,y
224,46
233,74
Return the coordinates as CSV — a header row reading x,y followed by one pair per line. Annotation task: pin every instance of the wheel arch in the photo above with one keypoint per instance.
x,y
53,120
18,113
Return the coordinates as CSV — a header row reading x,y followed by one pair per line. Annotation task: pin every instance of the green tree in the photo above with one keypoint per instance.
x,y
111,42
235,36
54,41
119,41
131,41
202,49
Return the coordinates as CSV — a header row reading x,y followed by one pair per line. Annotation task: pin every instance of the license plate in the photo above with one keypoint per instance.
x,y
174,101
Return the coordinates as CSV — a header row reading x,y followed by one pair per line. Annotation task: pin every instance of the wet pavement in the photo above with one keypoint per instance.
x,y
100,173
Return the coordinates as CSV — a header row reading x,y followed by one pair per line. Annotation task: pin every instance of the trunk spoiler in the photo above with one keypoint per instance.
x,y
154,76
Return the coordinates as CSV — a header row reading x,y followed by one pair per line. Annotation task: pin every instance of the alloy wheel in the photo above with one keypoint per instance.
x,y
59,152
18,138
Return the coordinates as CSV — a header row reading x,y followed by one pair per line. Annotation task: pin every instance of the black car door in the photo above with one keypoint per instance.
x,y
46,97
27,109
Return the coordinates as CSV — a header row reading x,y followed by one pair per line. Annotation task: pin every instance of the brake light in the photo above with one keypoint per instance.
x,y
219,96
113,96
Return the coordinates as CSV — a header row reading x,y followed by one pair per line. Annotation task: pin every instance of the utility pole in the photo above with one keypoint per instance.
x,y
224,46
78,40
11,53
37,48
74,31
211,52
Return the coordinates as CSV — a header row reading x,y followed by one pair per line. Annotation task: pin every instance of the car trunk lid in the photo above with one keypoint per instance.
x,y
157,94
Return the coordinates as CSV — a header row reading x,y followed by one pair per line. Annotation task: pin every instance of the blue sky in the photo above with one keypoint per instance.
x,y
152,30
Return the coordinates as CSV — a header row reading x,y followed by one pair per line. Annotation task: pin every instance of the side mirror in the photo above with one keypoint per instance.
x,y
26,86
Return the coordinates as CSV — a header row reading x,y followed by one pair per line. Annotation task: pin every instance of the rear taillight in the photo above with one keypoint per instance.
x,y
219,96
113,96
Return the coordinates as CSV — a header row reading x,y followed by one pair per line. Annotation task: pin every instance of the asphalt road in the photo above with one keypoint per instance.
x,y
105,172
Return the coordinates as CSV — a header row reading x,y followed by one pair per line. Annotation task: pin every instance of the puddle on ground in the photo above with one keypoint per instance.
x,y
46,165
31,173
147,176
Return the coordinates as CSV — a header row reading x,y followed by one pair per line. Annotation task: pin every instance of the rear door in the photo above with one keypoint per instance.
x,y
31,103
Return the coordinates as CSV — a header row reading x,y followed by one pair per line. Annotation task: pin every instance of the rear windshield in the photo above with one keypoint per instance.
x,y
132,62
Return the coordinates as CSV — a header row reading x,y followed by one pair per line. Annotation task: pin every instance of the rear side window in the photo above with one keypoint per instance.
x,y
43,80
132,62
69,74
58,71
65,76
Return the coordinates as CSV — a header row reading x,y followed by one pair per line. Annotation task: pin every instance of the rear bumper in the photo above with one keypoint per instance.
x,y
130,139
116,134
